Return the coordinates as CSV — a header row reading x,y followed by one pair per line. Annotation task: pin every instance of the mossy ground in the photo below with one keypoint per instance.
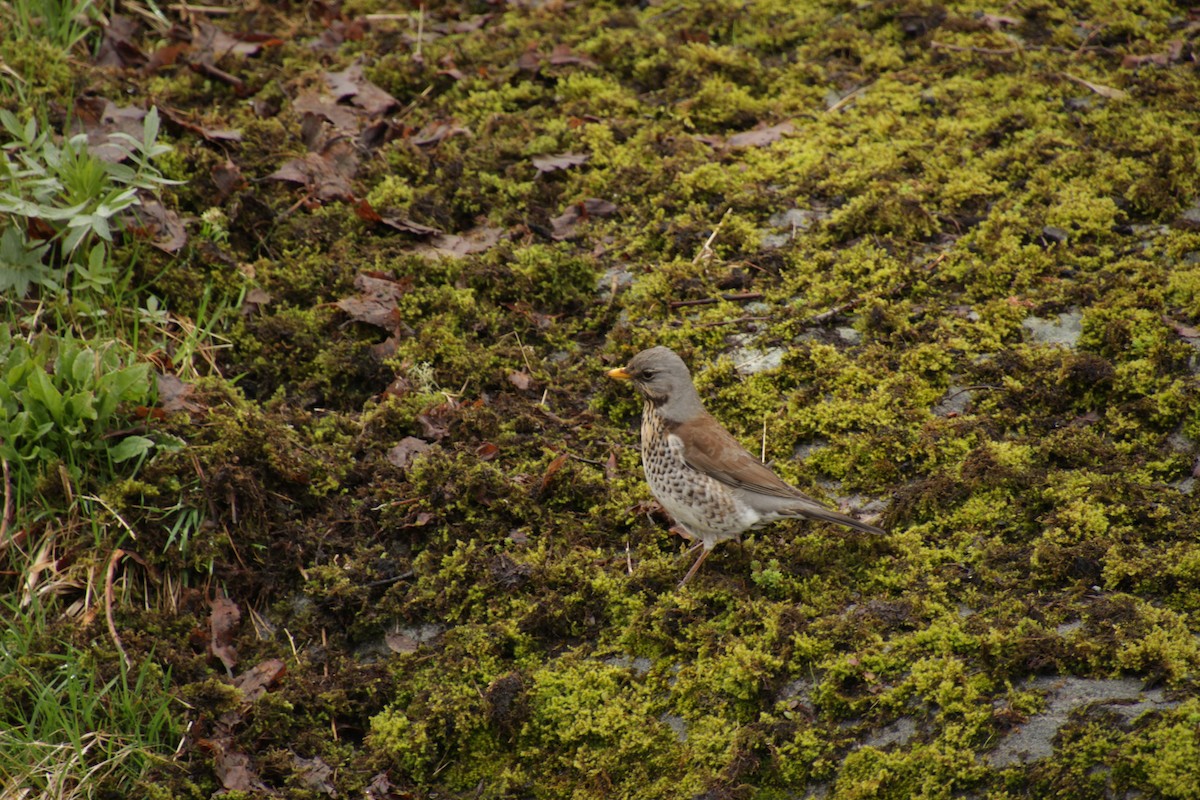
x,y
967,168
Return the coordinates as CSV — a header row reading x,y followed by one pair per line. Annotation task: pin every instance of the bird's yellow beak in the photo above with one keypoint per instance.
x,y
619,374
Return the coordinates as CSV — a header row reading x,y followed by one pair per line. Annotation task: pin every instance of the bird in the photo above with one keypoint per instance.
x,y
699,473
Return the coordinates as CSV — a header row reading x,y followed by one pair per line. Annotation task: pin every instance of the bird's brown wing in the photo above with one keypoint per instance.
x,y
709,448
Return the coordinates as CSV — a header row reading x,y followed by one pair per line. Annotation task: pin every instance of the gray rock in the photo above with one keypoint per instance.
x,y
1035,739
1064,329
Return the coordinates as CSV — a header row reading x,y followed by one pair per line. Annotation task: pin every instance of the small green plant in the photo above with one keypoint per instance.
x,y
71,726
62,22
77,194
66,414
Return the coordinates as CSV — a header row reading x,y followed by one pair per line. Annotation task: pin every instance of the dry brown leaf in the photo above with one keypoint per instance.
x,y
117,49
255,682
222,620
326,174
180,120
173,395
350,84
438,131
565,223
400,643
210,42
530,60
227,177
476,240
487,451
407,450
1100,89
165,56
234,772
1174,51
154,221
397,223
562,54
342,118
552,470
1184,330
315,774
760,137
100,118
375,303
560,161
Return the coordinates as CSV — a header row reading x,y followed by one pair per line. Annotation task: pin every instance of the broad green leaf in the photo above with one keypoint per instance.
x,y
130,447
42,390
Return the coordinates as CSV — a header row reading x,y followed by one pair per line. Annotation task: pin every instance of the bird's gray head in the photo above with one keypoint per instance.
x,y
660,376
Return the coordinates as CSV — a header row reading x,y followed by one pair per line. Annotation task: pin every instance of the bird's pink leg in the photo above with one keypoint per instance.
x,y
695,567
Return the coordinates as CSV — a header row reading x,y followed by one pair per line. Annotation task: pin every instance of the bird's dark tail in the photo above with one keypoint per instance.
x,y
818,512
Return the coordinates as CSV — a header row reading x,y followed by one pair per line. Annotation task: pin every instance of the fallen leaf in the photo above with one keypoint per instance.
x,y
400,643
375,303
342,118
165,56
227,177
521,380
1185,331
487,451
407,450
173,394
326,174
209,134
1174,51
565,223
154,221
561,54
350,84
397,223
117,49
222,619
315,774
1100,89
100,119
435,422
380,787
560,161
255,299
530,60
760,137
552,470
340,31
476,240
234,772
439,131
254,682
610,467
209,41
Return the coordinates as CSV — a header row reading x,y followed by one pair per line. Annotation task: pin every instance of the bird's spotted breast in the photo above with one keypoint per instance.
x,y
698,502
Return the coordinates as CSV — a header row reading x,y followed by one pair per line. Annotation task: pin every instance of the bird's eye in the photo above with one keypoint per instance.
x,y
647,374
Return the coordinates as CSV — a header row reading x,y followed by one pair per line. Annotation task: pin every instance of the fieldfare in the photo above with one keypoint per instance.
x,y
697,470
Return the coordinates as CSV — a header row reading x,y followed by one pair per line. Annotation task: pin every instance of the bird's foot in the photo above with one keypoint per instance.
x,y
695,567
